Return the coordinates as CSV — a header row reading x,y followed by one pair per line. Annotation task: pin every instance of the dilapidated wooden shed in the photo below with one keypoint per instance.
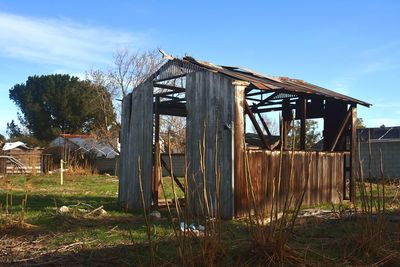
x,y
217,101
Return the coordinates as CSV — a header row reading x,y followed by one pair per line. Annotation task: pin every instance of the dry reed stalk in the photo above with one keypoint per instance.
x,y
173,226
373,240
202,150
269,239
209,242
148,228
177,205
180,237
187,250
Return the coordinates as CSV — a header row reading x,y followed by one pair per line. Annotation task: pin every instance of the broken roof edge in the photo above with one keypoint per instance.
x,y
273,82
261,81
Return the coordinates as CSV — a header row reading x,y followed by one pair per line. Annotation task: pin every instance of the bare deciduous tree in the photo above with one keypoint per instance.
x,y
132,68
128,71
104,130
173,134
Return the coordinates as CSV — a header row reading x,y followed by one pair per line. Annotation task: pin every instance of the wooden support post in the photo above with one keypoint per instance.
x,y
256,126
353,152
303,124
156,167
345,176
239,142
287,117
165,165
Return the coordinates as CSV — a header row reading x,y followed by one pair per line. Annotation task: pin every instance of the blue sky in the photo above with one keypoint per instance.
x,y
352,47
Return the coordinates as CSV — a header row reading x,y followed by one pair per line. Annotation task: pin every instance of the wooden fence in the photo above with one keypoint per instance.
x,y
34,162
320,174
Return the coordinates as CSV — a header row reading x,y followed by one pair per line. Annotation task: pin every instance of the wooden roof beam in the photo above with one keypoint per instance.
x,y
256,126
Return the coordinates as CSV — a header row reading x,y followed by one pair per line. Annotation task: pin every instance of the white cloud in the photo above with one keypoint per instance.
x,y
61,42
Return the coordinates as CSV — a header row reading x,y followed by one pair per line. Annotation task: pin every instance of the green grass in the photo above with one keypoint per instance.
x,y
167,182
45,195
120,237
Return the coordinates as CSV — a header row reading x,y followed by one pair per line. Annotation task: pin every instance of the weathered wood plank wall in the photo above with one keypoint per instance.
x,y
31,159
136,143
319,173
210,116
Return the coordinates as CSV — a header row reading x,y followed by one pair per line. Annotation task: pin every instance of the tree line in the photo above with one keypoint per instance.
x,y
60,103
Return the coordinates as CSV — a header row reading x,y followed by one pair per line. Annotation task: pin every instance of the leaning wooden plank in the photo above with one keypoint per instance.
x,y
340,131
256,126
166,166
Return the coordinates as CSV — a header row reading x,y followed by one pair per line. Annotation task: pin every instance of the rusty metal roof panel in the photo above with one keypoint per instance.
x,y
265,82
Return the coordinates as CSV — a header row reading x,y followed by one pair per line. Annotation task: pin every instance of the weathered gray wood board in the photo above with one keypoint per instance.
x,y
125,118
136,144
209,129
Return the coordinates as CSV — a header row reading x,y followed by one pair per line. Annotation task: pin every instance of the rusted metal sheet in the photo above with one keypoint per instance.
x,y
319,173
274,83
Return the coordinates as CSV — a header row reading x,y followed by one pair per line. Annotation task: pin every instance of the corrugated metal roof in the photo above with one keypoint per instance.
x,y
266,82
86,143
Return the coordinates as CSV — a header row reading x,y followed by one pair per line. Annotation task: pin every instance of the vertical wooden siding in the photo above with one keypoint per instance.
x,y
319,173
210,112
31,159
136,142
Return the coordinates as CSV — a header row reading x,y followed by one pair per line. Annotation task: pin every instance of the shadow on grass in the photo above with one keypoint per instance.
x,y
43,216
334,241
119,255
40,202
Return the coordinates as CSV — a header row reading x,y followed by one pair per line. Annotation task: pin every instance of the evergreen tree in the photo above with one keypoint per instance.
x,y
312,134
13,130
59,103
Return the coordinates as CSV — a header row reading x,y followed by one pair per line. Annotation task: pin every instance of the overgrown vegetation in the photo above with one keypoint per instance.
x,y
32,230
